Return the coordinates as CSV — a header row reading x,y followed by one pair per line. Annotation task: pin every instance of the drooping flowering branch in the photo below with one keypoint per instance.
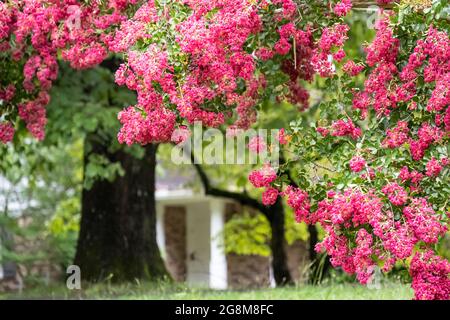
x,y
33,35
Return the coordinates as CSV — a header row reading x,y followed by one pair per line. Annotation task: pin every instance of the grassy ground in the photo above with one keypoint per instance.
x,y
388,291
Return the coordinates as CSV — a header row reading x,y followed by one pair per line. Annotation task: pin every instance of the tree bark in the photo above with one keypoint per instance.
x,y
313,239
278,244
117,238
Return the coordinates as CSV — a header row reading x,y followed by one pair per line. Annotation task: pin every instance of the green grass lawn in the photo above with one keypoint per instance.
x,y
153,291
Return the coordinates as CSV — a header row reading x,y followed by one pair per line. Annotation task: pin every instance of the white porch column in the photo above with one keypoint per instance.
x,y
160,235
218,261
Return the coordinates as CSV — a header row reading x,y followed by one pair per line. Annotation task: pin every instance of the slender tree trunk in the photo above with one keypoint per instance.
x,y
313,239
278,245
117,237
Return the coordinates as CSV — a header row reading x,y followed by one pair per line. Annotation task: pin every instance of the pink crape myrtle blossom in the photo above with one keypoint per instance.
x,y
396,194
352,69
298,200
269,196
342,8
283,138
263,177
433,167
357,163
6,132
424,221
342,128
396,136
430,276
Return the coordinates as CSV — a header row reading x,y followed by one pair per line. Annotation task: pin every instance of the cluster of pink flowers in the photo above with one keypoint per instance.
x,y
429,56
5,21
415,176
446,120
434,167
213,46
269,196
343,212
302,68
362,256
384,48
332,37
6,132
396,194
434,48
342,8
8,92
352,69
357,163
424,221
34,114
288,8
381,54
262,177
298,200
282,137
427,135
264,53
337,247
216,47
349,208
341,128
298,96
364,229
398,239
180,135
157,126
218,60
396,136
430,276
130,30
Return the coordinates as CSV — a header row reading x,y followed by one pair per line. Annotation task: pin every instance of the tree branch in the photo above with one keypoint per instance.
x,y
242,198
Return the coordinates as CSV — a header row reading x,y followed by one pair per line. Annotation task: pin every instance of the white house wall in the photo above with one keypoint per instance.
x,y
198,243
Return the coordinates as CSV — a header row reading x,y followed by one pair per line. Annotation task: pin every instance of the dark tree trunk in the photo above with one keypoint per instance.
x,y
117,237
313,238
278,245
